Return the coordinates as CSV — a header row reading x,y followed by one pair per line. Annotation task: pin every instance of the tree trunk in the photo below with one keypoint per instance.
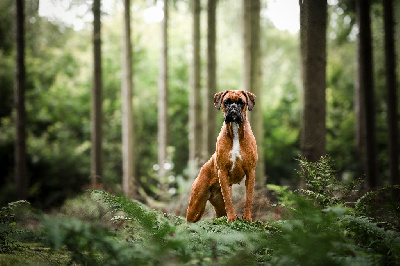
x,y
313,17
365,81
195,126
96,116
19,101
210,112
163,102
360,121
128,162
390,67
252,76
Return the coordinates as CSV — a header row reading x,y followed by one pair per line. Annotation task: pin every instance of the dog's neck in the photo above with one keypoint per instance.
x,y
236,130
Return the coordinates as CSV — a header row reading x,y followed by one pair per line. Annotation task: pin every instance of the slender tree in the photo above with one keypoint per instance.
x,y
313,19
252,76
210,113
359,120
19,101
390,68
366,90
96,114
128,163
195,123
163,100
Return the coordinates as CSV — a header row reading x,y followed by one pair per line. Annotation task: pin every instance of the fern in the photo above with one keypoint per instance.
x,y
309,235
322,186
154,224
369,234
382,204
202,242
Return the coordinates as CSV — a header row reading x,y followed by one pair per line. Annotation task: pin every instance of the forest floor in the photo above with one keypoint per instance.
x,y
27,234
329,223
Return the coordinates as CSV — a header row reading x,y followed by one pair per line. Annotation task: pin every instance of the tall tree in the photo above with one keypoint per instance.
x,y
19,101
195,123
96,113
366,124
128,163
210,114
390,68
313,19
252,76
163,101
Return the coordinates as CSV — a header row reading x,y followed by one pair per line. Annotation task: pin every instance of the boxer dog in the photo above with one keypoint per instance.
x,y
235,158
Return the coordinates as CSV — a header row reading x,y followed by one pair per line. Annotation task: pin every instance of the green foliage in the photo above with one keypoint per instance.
x,y
382,204
88,208
369,234
280,101
88,244
149,237
8,231
308,234
321,184
372,224
106,229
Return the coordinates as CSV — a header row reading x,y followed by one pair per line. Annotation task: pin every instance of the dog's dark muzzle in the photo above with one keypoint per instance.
x,y
234,114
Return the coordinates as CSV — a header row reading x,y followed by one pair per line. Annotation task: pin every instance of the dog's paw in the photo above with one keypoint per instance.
x,y
231,218
248,218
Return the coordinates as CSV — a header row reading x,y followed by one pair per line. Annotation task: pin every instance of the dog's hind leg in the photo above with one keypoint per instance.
x,y
217,200
198,199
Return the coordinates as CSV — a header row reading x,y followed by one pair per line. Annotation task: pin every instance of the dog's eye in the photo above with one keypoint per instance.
x,y
227,102
240,102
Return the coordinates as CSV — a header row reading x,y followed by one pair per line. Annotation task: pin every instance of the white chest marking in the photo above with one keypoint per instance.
x,y
235,152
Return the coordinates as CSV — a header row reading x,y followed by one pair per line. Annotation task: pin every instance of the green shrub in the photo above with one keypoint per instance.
x,y
322,186
368,234
382,204
8,231
88,244
310,235
373,223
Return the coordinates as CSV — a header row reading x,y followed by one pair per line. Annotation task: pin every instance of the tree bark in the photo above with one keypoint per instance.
x,y
252,77
96,115
210,112
359,121
163,102
313,17
195,122
128,160
390,68
365,80
19,101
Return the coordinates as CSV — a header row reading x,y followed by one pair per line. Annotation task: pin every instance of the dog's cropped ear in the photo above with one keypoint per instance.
x,y
218,99
250,100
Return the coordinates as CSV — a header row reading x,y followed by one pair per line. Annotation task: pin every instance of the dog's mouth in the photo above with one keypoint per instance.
x,y
234,115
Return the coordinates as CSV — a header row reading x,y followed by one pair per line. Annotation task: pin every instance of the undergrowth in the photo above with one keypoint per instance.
x,y
326,223
8,231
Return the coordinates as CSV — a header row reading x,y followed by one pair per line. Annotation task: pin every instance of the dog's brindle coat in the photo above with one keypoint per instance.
x,y
235,157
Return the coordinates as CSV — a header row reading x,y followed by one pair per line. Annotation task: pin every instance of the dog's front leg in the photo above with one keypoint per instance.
x,y
227,195
250,181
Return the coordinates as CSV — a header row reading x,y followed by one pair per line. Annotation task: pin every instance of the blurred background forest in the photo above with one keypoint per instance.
x,y
59,81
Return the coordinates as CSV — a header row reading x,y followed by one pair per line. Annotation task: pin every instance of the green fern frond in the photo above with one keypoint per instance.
x,y
322,185
369,234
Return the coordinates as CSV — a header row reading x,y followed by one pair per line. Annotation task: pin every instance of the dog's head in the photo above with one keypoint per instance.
x,y
234,104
